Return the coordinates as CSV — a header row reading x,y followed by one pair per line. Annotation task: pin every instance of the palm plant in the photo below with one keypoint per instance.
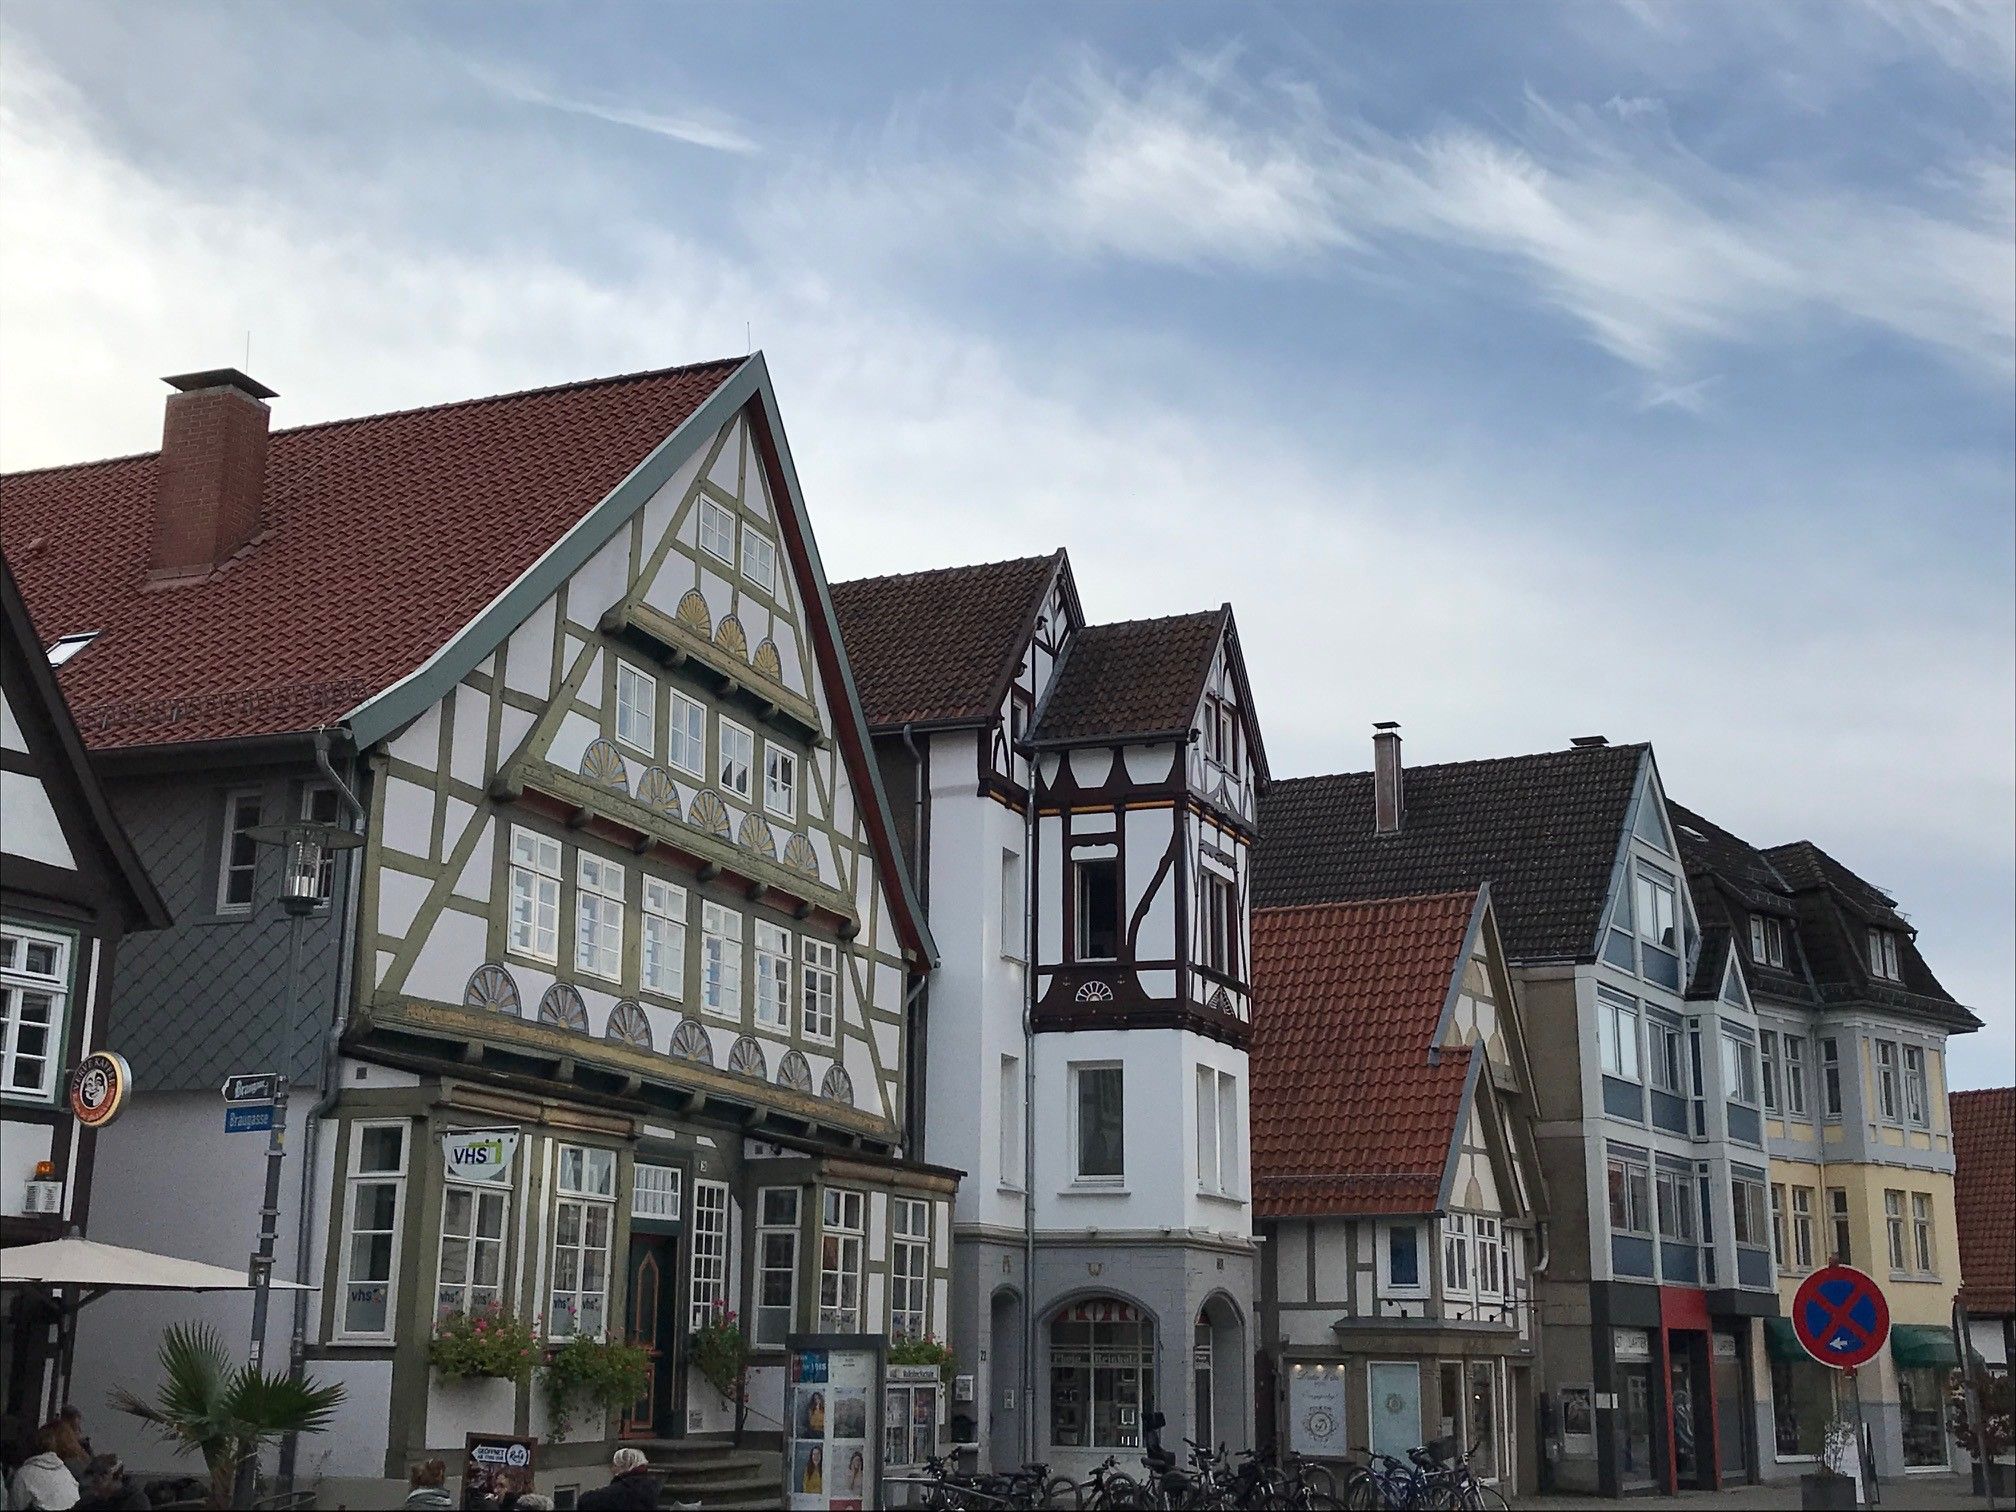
x,y
224,1413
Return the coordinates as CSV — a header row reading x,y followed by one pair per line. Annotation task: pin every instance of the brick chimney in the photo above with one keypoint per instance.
x,y
212,474
1389,784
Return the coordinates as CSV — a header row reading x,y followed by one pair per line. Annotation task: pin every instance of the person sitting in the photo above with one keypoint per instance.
x,y
631,1484
43,1481
429,1481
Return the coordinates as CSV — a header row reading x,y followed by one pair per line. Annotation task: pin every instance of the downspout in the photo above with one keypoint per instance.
x,y
913,1017
1028,1371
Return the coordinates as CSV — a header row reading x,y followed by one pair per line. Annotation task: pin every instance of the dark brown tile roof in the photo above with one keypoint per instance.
x,y
1542,830
1984,1196
1135,678
1730,879
382,536
940,647
1350,1114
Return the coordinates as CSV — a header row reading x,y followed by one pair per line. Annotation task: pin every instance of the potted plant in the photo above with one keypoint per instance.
x,y
721,1355
479,1358
223,1413
924,1351
1991,1439
1833,1483
586,1371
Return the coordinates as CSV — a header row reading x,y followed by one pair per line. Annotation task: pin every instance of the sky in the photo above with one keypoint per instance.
x,y
1517,372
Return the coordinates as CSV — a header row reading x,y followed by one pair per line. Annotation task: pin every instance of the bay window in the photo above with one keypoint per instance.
x,y
1921,1234
708,1290
1747,1198
1617,1034
776,1264
1887,1101
1843,1226
842,1229
474,1218
1917,1088
1217,1132
584,1219
1629,1183
1099,1114
374,1203
1739,1070
1658,926
1830,1078
909,1267
1096,908
1768,1045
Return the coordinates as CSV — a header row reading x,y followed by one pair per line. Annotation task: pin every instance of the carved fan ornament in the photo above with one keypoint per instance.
x,y
730,637
693,614
800,857
747,1058
767,661
838,1086
491,990
795,1072
1095,992
1219,1000
709,813
655,791
690,1041
755,836
601,765
562,1006
629,1025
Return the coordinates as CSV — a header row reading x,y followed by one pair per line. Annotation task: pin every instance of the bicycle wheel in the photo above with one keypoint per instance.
x,y
1363,1493
1317,1482
1060,1491
1491,1500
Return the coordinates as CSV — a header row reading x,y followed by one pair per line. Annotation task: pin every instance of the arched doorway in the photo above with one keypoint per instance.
x,y
1218,1394
1003,1385
1101,1379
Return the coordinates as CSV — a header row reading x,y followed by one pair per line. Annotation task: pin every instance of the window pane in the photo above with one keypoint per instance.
x,y
1101,1144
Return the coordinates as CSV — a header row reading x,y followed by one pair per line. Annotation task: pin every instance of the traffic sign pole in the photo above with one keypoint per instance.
x,y
262,1261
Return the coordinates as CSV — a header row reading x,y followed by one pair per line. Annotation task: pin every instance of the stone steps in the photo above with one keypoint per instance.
x,y
711,1474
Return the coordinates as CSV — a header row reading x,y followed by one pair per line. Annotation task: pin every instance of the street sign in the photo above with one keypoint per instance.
x,y
252,1087
1840,1317
248,1118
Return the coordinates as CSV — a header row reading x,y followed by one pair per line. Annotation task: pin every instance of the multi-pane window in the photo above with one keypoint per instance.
x,y
238,859
598,917
759,560
318,806
655,1191
720,960
1886,1079
1830,1077
773,976
535,895
717,531
776,1263
1883,955
636,708
1747,1195
1795,1075
1011,1121
373,1203
1099,1113
1893,1224
1630,1196
1217,1132
1675,1191
1843,1227
709,1288
663,967
1456,1255
840,1238
1802,1228
1917,1090
687,749
1096,908
1739,1069
473,1219
1617,1034
738,759
1658,925
1668,1070
1768,1041
34,986
818,988
1492,1269
909,1267
780,781
1221,924
584,1217
1780,1251
1767,940
1921,1233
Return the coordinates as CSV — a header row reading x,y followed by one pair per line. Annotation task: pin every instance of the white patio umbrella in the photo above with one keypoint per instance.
x,y
94,1267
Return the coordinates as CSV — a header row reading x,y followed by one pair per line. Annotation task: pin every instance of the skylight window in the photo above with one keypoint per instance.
x,y
69,645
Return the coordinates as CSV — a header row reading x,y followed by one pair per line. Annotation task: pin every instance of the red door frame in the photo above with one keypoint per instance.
x,y
1684,1310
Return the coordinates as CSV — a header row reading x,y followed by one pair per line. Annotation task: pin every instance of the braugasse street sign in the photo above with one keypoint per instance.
x,y
1840,1317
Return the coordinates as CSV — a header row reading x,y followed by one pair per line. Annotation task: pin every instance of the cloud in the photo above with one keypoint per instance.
x,y
715,132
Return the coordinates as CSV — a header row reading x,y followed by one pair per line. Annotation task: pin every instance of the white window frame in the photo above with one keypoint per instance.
x,y
909,1267
772,1224
1617,1019
1459,1282
1654,886
1739,1069
1666,1049
1767,1053
16,981
773,977
1781,1251
708,1284
356,1178
1802,1228
535,891
479,1194
661,963
1383,1256
1206,1111
819,989
766,551
1795,1075
780,781
1840,1225
1011,1100
1490,1257
599,886
631,714
1231,1177
1924,1252
234,826
1882,954
587,1194
1833,1099
720,960
730,763
686,746
1889,1090
843,1238
1917,1088
66,646
1079,1176
718,521
656,1191
1895,1233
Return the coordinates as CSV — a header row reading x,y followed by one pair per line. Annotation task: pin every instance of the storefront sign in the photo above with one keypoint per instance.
x,y
832,1440
98,1088
1316,1412
496,1467
1631,1344
479,1154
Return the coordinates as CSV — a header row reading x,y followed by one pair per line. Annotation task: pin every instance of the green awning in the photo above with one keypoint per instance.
x,y
1781,1343
1913,1344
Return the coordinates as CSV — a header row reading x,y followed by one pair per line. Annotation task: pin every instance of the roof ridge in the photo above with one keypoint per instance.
x,y
1579,752
930,572
1447,895
1156,619
640,376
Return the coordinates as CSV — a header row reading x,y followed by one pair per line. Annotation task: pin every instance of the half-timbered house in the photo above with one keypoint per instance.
x,y
629,916
1085,801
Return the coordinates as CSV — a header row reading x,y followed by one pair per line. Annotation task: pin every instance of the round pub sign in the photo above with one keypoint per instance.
x,y
98,1088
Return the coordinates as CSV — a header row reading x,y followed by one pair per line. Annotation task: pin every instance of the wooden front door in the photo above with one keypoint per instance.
x,y
650,1324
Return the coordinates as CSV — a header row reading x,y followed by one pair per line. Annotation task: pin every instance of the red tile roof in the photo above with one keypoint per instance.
x,y
1984,1196
939,647
1350,1116
382,537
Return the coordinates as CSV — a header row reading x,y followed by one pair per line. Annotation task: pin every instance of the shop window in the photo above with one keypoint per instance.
x,y
1921,1403
1802,1404
1102,1372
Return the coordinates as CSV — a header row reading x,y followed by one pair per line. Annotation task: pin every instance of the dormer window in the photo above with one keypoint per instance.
x,y
1767,941
1883,955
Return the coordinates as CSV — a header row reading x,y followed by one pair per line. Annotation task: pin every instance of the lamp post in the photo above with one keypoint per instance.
x,y
304,845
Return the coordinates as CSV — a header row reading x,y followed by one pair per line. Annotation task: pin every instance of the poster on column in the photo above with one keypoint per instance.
x,y
1316,1411
832,1436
